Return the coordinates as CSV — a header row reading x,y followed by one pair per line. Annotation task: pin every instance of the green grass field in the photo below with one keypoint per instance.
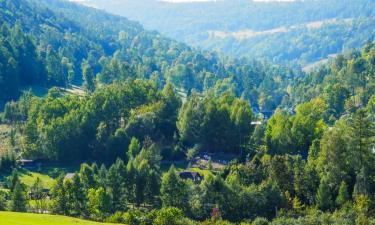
x,y
29,178
11,218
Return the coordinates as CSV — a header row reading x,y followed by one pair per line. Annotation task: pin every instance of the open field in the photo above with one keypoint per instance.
x,y
29,178
11,218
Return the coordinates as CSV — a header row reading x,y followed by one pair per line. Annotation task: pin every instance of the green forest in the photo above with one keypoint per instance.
x,y
132,127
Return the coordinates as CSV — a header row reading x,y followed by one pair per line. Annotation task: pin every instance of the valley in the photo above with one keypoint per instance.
x,y
192,113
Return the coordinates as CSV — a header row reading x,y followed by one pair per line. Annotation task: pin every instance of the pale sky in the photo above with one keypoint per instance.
x,y
180,1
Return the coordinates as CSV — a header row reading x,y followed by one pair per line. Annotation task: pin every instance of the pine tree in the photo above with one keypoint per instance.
x,y
116,182
87,176
361,186
77,196
13,179
19,201
362,134
173,190
59,197
323,196
343,195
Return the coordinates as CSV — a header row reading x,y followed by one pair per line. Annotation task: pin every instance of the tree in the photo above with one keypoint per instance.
x,y
362,207
13,180
308,124
190,120
242,116
362,185
102,177
38,195
362,132
173,191
59,196
168,114
3,201
88,77
99,203
333,160
76,196
169,216
278,135
87,176
134,148
116,183
343,195
18,199
323,196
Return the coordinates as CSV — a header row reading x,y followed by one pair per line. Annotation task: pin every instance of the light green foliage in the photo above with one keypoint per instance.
x,y
169,216
343,195
308,124
134,148
278,135
99,203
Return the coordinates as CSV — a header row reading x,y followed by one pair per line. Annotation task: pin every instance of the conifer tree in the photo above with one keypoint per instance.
x,y
323,196
343,195
19,201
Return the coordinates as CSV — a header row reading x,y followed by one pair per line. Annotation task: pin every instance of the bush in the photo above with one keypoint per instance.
x,y
117,217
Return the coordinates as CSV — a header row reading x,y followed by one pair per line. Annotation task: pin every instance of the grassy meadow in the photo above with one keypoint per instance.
x,y
12,218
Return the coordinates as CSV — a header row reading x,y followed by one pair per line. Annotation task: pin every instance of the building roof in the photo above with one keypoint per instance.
x,y
69,176
195,176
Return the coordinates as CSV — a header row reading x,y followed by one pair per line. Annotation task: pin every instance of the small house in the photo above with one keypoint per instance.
x,y
29,164
44,193
69,176
194,176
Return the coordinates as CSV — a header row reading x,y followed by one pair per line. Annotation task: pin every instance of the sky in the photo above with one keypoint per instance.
x,y
180,1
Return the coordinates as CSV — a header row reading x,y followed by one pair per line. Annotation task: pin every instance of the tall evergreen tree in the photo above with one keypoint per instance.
x,y
343,195
323,196
18,199
173,191
59,196
88,77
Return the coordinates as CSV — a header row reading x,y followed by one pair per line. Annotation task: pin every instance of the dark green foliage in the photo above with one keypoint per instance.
x,y
3,200
18,198
7,161
324,196
88,77
217,124
173,190
59,194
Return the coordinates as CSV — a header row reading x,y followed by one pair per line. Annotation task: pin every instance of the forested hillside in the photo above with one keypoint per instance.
x,y
294,32
166,134
68,44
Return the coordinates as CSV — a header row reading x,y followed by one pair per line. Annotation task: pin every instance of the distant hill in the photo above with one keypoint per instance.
x,y
49,42
297,32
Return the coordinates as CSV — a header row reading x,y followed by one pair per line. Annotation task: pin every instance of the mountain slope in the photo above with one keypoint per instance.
x,y
299,43
65,37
